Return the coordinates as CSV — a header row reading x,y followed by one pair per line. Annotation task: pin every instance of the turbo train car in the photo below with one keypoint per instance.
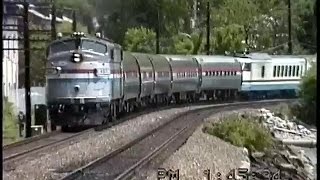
x,y
267,76
91,81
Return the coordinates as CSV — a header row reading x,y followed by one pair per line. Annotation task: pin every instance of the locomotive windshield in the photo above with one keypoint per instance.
x,y
93,46
69,45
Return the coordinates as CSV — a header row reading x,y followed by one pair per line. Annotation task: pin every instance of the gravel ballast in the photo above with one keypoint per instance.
x,y
203,151
54,165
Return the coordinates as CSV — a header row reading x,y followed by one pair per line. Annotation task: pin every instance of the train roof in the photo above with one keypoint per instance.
x,y
254,56
176,57
88,37
214,58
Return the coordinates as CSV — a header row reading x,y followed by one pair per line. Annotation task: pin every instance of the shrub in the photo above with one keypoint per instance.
x,y
242,132
305,111
10,126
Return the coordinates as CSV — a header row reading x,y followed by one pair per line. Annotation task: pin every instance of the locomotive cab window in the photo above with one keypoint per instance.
x,y
62,46
247,67
94,46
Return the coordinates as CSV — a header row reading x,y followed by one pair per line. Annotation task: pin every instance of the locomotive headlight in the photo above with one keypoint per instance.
x,y
76,57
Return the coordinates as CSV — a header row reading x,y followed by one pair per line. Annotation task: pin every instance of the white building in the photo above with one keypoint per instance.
x,y
10,59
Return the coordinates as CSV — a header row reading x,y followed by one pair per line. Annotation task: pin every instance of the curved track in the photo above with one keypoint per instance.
x,y
53,140
34,145
125,161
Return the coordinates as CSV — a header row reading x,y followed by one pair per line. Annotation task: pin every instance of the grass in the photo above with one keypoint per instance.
x,y
242,131
10,126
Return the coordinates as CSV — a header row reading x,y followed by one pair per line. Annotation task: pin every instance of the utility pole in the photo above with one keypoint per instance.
x,y
208,27
158,30
289,28
53,21
27,69
74,21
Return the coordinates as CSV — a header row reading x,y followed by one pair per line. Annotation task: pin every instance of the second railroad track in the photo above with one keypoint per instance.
x,y
126,161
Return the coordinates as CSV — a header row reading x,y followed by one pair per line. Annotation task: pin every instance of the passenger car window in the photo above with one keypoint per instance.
x,y
290,70
282,71
278,71
298,70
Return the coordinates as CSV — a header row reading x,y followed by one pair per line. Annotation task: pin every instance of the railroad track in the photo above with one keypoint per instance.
x,y
124,162
33,146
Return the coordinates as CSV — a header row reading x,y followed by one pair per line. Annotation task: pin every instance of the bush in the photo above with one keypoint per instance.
x,y
242,132
306,111
10,126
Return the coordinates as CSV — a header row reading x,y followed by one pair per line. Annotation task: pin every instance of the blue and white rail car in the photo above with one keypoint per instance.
x,y
83,76
271,76
220,76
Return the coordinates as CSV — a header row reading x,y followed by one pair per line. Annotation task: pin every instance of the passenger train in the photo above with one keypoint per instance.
x,y
91,80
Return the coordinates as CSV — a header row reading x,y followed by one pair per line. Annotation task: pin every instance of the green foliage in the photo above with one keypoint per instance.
x,y
140,40
306,112
261,24
242,132
10,126
66,27
228,39
182,44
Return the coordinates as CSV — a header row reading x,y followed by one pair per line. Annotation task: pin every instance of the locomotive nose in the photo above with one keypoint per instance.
x,y
76,88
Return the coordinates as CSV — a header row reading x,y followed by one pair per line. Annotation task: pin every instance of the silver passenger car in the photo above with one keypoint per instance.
x,y
131,87
220,72
162,73
146,73
184,73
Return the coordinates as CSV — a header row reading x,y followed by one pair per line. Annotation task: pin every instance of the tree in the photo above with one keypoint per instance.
x,y
140,40
228,38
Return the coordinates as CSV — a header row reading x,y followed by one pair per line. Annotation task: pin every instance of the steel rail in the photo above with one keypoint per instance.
x,y
93,164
